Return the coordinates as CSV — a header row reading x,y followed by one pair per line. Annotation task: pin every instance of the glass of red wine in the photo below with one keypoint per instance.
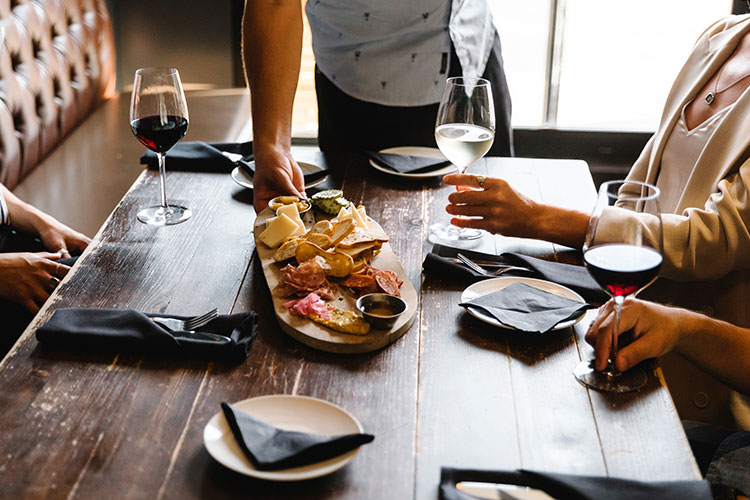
x,y
623,255
159,119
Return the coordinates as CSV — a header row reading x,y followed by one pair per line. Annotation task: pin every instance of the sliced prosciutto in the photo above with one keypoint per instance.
x,y
312,303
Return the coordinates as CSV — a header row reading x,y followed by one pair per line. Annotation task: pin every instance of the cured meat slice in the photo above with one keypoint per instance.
x,y
357,281
310,276
388,285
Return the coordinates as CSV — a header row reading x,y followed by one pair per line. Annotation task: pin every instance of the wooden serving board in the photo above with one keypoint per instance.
x,y
318,336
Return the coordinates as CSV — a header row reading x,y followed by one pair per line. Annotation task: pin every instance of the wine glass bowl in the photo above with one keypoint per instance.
x,y
464,132
159,120
624,257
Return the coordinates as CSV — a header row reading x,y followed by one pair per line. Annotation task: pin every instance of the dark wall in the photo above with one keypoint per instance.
x,y
199,38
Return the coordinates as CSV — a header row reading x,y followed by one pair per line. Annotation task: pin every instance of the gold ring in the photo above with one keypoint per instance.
x,y
480,180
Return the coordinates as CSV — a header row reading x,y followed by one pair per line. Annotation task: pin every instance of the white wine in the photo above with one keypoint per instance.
x,y
463,144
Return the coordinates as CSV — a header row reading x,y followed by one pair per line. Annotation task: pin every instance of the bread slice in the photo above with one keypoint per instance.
x,y
322,227
341,230
322,240
287,250
359,236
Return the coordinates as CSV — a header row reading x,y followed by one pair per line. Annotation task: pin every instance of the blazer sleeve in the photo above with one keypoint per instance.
x,y
698,244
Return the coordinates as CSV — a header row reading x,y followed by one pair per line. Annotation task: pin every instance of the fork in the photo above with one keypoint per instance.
x,y
476,268
187,324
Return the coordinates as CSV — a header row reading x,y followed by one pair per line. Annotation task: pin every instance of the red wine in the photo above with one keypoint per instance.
x,y
159,136
622,269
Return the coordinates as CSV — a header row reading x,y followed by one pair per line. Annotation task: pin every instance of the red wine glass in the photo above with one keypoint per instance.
x,y
623,253
159,119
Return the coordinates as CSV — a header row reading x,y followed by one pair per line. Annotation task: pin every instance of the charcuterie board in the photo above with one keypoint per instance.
x,y
321,337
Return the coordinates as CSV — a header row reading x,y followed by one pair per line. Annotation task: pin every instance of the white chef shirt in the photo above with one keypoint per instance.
x,y
396,52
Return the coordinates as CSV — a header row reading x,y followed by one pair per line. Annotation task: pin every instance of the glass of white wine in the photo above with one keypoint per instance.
x,y
464,132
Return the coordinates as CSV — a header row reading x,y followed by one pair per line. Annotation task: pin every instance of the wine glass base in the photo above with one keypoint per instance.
x,y
159,216
448,232
628,381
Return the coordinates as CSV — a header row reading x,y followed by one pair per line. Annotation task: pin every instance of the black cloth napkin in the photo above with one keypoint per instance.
x,y
526,308
270,448
197,156
406,164
128,330
439,263
570,487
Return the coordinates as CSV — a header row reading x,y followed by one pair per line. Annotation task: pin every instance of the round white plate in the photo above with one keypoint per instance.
x,y
243,179
493,285
416,151
292,413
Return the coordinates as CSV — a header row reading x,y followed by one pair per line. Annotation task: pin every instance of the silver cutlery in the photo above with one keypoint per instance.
x,y
186,327
478,269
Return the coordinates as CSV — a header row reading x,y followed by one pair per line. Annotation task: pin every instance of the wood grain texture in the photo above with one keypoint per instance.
x,y
451,391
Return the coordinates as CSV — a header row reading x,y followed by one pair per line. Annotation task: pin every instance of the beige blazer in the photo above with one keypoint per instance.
x,y
706,236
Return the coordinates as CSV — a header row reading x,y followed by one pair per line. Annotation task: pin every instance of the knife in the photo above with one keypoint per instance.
x,y
497,491
211,337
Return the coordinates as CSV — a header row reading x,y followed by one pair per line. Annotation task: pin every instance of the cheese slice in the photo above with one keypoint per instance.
x,y
360,218
344,214
279,229
292,212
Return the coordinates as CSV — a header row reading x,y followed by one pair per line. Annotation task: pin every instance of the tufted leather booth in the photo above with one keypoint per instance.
x,y
56,65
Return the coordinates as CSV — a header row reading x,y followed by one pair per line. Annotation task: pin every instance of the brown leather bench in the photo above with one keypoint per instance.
x,y
57,65
65,143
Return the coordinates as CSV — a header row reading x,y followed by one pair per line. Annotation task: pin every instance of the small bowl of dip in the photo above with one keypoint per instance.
x,y
303,204
381,310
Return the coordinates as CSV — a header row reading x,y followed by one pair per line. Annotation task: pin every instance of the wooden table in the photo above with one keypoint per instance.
x,y
452,392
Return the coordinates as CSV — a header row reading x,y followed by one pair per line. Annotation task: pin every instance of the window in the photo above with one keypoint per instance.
x,y
605,65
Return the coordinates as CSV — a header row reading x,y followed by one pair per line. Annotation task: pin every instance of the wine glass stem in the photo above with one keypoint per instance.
x,y
611,368
163,179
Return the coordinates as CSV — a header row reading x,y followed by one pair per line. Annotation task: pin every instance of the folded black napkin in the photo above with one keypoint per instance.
x,y
125,329
526,308
200,156
406,164
440,262
569,487
270,448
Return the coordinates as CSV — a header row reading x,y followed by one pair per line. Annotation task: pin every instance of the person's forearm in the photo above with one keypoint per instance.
x,y
271,50
23,217
559,225
719,348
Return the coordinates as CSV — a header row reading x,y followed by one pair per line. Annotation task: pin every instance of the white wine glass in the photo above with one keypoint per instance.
x,y
464,132
159,119
623,258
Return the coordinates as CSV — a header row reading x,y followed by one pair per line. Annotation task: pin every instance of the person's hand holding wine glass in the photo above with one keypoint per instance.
x,y
159,119
464,132
624,257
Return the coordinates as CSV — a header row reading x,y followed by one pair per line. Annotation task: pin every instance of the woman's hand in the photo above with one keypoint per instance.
x,y
57,237
657,330
27,278
276,173
495,206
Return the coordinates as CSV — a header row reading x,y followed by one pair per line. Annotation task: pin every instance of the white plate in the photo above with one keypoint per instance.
x,y
292,413
493,285
243,179
416,151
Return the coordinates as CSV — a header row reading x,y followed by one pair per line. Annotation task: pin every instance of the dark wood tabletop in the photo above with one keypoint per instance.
x,y
453,391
